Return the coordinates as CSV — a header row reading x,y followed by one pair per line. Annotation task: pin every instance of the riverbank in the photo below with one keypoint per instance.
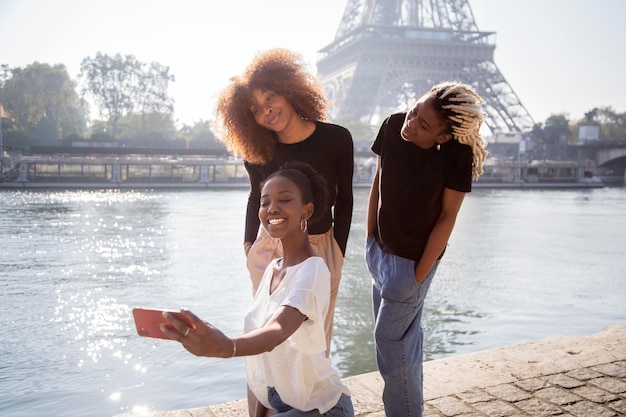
x,y
560,376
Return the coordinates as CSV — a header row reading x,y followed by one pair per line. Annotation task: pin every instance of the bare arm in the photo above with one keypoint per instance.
x,y
203,339
372,205
283,324
441,232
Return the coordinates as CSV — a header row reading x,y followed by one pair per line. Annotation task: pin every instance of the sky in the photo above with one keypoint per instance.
x,y
559,56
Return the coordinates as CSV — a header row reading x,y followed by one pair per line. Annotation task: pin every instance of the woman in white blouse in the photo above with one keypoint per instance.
x,y
284,339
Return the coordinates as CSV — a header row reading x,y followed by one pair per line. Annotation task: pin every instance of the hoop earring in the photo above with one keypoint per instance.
x,y
304,225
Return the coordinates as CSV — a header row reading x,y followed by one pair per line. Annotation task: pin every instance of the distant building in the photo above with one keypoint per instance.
x,y
95,144
588,132
507,137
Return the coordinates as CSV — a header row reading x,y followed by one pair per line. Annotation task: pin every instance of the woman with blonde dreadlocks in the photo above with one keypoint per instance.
x,y
427,159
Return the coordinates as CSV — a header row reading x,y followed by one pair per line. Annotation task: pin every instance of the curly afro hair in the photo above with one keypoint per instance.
x,y
284,73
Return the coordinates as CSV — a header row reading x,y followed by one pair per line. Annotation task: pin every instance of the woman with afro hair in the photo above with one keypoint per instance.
x,y
273,113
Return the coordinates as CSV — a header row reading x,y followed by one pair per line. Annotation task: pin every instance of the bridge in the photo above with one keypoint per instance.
x,y
610,155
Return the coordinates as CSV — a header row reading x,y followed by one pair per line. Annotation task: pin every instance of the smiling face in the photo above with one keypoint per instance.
x,y
423,126
282,209
270,110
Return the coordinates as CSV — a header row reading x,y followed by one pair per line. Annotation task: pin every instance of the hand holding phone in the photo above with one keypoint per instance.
x,y
148,321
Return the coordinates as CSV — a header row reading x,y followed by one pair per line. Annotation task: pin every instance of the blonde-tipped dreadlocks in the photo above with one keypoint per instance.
x,y
460,106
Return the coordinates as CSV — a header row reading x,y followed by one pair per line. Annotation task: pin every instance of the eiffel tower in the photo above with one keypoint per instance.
x,y
387,53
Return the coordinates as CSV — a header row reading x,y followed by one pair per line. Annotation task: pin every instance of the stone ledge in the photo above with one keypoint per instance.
x,y
519,379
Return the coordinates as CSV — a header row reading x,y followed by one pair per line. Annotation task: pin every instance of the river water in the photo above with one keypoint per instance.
x,y
522,265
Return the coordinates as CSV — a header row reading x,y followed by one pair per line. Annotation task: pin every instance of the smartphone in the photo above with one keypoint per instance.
x,y
147,321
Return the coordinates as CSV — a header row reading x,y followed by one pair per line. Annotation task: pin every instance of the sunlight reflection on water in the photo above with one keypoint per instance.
x,y
76,263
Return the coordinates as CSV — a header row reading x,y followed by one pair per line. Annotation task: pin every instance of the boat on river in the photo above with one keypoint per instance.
x,y
205,171
124,172
537,174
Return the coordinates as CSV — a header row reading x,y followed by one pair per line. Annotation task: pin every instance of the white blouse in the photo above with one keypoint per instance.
x,y
298,368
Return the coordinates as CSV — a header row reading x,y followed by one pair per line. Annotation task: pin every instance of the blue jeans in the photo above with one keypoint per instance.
x,y
398,301
343,408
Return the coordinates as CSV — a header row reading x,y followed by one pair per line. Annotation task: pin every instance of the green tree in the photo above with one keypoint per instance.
x,y
121,86
549,142
111,82
556,130
612,124
135,124
537,135
153,101
43,102
199,136
5,74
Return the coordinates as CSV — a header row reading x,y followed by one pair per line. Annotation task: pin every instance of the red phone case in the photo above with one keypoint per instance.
x,y
147,321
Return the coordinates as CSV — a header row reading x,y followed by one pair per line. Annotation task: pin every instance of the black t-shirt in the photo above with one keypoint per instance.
x,y
412,181
331,152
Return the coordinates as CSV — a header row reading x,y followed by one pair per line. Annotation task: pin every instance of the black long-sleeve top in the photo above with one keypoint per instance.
x,y
412,183
330,151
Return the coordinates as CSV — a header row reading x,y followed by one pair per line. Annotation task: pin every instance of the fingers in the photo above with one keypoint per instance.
x,y
172,334
180,324
193,319
198,337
